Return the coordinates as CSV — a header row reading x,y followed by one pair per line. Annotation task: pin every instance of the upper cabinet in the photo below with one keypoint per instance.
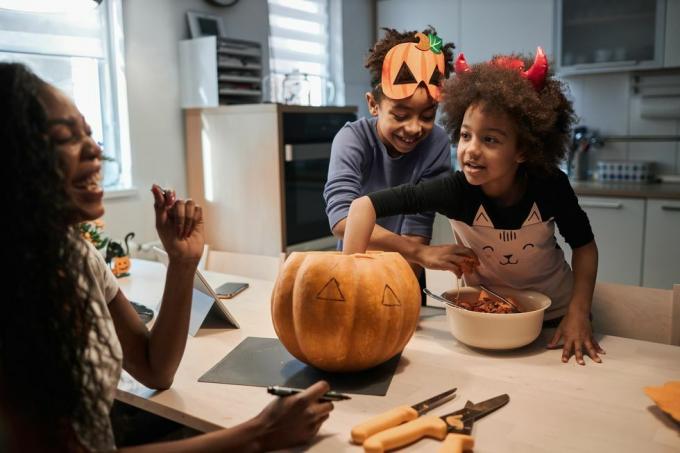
x,y
616,35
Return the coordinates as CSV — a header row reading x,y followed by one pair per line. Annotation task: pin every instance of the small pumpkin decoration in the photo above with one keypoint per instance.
x,y
409,64
344,313
121,266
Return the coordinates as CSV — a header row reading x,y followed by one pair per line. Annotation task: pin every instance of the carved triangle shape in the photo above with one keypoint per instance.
x,y
331,291
389,298
404,75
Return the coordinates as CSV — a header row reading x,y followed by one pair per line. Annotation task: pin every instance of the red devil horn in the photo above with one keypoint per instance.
x,y
537,72
461,65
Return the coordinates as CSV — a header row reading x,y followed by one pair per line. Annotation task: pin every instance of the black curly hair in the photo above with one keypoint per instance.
x,y
543,119
46,379
376,54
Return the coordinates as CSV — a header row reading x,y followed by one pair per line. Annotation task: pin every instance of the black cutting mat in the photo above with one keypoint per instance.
x,y
261,362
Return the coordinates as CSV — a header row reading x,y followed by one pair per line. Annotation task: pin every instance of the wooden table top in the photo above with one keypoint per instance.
x,y
554,407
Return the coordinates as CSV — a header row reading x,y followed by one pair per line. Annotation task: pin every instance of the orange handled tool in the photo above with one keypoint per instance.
x,y
397,416
454,429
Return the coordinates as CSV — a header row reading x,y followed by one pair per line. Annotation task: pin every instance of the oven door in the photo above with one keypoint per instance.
x,y
305,173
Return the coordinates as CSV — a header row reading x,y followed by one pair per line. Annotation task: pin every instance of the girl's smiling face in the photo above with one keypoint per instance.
x,y
403,123
487,150
79,155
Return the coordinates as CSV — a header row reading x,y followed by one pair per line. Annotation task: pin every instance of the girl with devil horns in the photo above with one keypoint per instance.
x,y
512,127
399,143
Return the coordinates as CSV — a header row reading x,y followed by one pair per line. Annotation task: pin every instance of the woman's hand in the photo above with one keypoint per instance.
x,y
293,420
179,224
577,333
449,257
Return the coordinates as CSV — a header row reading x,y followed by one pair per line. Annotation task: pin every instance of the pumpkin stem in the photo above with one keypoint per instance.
x,y
423,42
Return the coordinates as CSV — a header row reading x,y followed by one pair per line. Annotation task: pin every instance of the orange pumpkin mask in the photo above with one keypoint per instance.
x,y
409,64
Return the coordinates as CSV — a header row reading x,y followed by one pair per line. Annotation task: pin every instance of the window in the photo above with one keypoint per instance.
x,y
299,48
77,45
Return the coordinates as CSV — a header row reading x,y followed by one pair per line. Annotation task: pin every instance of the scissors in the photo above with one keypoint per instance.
x,y
397,416
454,428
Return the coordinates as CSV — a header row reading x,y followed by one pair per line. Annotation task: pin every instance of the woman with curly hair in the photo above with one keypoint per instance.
x,y
512,127
400,143
66,329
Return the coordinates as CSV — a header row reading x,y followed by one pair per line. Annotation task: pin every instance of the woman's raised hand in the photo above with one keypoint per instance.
x,y
179,224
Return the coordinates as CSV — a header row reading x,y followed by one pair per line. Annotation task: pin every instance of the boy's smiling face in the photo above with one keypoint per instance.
x,y
403,123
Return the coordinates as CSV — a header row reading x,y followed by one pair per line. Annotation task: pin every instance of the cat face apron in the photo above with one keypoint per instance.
x,y
526,258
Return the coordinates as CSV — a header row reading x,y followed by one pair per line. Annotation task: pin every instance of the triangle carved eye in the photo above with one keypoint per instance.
x,y
436,77
404,75
389,298
331,291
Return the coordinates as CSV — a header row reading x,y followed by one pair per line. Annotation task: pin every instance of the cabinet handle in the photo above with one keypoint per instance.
x,y
601,204
667,207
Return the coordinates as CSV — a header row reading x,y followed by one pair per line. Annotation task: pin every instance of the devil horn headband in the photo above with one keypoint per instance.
x,y
536,74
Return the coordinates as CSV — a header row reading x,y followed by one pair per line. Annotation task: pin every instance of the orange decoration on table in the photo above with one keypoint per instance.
x,y
667,397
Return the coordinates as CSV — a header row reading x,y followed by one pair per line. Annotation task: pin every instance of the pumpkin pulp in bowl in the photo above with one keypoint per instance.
x,y
497,330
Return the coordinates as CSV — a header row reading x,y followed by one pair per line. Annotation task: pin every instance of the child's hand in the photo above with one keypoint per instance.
x,y
179,224
576,331
450,257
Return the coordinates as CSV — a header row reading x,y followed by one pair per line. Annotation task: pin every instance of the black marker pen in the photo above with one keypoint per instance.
x,y
287,391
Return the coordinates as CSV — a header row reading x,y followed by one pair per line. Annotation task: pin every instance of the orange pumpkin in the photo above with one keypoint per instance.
x,y
121,266
406,65
345,312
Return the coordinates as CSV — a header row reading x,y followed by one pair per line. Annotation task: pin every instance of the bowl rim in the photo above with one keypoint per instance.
x,y
500,289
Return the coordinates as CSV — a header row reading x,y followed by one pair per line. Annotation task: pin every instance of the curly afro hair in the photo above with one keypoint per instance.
x,y
376,55
46,326
543,119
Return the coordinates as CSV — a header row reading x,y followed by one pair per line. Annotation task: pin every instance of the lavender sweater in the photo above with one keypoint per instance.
x,y
360,165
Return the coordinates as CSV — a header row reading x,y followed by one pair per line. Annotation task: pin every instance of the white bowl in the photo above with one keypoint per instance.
x,y
496,330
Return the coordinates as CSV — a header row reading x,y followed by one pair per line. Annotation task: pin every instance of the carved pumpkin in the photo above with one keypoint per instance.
x,y
406,65
345,312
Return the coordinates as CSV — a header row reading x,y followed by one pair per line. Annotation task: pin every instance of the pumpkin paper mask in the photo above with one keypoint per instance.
x,y
409,64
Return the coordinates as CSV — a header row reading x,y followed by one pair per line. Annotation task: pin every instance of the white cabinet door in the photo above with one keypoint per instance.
x,y
617,224
490,27
662,244
672,49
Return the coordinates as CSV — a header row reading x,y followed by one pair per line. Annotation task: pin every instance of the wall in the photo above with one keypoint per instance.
x,y
607,103
358,31
153,29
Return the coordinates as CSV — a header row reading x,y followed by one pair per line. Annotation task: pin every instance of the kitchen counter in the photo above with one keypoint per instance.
x,y
670,191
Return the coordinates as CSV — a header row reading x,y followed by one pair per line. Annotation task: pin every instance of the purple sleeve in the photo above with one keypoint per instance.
x,y
344,175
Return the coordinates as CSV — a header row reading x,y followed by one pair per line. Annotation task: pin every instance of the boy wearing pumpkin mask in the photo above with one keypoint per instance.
x,y
399,143
512,127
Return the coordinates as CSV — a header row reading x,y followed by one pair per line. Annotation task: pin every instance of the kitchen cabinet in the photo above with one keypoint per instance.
x,y
672,42
255,170
468,23
614,35
618,226
661,268
491,27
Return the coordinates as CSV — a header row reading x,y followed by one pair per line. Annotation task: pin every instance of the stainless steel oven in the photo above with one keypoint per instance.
x,y
307,138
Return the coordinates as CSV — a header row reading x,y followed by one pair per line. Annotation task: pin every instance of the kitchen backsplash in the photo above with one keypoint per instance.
x,y
624,104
